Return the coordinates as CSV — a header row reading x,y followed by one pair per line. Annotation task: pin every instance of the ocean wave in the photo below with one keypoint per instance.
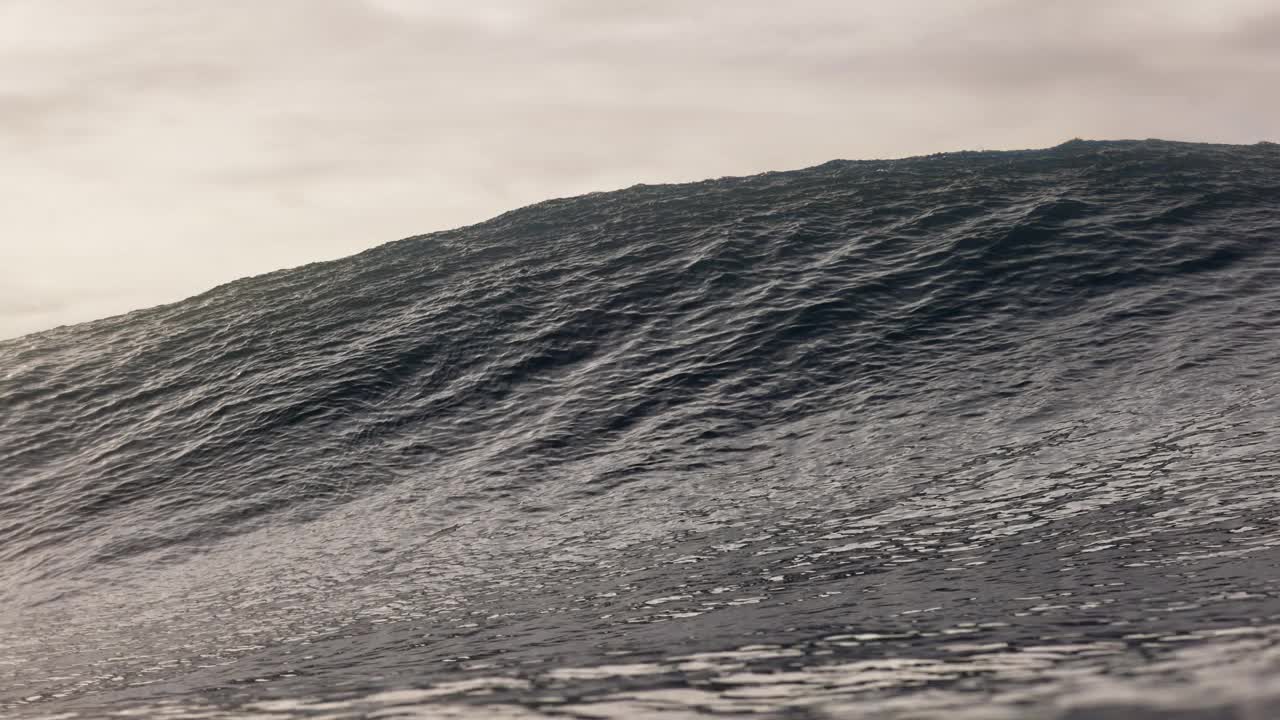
x,y
1072,348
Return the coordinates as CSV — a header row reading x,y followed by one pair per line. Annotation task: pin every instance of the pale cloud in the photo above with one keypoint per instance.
x,y
154,148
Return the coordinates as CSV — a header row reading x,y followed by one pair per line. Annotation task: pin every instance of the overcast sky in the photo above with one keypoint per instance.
x,y
152,149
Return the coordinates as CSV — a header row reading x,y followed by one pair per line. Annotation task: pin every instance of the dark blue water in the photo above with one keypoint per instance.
x,y
969,435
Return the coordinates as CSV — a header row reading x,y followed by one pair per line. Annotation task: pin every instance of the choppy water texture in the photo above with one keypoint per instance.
x,y
971,435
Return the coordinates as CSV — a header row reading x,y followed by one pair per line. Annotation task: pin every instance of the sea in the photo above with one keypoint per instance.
x,y
970,435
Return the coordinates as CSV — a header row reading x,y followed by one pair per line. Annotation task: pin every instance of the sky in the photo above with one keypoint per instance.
x,y
152,149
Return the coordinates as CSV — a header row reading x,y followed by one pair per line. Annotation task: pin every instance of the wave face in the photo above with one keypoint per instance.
x,y
974,432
